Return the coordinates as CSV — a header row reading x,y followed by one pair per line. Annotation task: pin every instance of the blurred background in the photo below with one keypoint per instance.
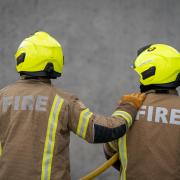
x,y
100,39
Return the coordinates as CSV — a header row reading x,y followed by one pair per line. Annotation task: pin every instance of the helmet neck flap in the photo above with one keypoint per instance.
x,y
167,86
48,73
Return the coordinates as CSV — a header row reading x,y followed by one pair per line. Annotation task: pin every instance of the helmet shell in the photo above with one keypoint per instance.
x,y
158,64
39,50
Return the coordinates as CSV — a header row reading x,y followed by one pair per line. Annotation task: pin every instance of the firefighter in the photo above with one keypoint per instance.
x,y
36,118
151,148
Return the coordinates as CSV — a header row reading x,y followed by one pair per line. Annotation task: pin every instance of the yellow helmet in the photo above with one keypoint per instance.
x,y
158,65
40,55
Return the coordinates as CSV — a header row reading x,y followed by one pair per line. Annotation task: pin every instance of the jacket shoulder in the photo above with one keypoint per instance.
x,y
6,88
162,99
66,95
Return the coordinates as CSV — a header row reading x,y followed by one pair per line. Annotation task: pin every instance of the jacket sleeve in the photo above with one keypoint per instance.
x,y
110,149
97,128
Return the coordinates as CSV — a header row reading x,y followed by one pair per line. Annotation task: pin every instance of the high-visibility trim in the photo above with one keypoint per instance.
x,y
0,149
123,156
122,143
85,115
112,146
50,138
125,115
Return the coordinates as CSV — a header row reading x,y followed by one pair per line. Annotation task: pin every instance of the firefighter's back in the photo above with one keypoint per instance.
x,y
153,142
29,127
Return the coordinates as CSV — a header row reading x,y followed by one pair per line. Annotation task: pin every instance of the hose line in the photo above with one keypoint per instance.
x,y
101,168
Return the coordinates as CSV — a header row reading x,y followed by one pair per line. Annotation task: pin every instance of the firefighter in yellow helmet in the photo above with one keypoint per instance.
x,y
150,150
36,118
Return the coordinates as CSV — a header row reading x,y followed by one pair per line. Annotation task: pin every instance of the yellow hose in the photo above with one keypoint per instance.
x,y
101,168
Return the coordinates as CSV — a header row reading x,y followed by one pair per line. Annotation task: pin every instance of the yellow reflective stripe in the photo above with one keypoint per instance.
x,y
0,149
50,138
85,115
80,121
86,125
123,156
112,146
125,115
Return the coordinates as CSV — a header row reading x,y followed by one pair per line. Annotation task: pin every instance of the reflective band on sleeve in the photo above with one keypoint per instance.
x,y
112,146
83,123
123,156
0,149
50,138
125,115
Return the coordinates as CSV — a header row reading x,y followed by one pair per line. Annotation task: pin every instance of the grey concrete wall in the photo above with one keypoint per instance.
x,y
100,39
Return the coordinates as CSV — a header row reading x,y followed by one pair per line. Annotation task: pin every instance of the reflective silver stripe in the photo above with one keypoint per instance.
x,y
0,149
122,143
85,115
125,115
48,156
50,138
123,156
84,122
